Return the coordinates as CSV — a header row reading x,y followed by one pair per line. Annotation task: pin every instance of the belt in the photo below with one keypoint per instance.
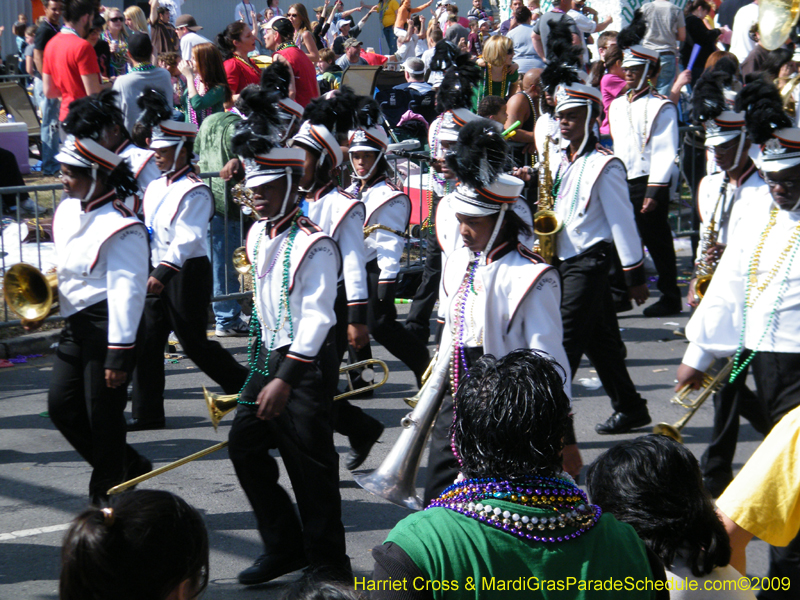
x,y
667,53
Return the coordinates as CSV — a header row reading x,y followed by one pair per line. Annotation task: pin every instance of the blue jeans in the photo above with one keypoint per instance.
x,y
51,141
391,39
666,76
226,279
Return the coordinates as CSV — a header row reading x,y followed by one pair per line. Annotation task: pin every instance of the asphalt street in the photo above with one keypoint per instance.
x,y
44,483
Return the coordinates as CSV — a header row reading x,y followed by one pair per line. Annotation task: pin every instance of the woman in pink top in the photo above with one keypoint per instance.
x,y
613,82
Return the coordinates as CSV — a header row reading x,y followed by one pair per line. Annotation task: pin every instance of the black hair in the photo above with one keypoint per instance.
x,y
368,112
145,547
522,14
226,38
634,32
654,484
154,109
480,155
121,179
459,80
513,227
763,110
334,112
775,60
73,10
490,106
89,116
511,415
694,5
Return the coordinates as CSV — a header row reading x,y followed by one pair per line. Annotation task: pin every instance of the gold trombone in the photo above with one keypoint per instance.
x,y
711,383
369,229
220,405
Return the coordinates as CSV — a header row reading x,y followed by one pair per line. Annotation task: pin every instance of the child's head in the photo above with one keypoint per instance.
x,y
30,34
169,61
494,108
326,59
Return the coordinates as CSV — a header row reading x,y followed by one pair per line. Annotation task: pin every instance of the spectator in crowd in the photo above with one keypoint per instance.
x,y
414,70
48,107
525,54
778,67
145,544
586,20
69,69
273,6
726,11
135,20
170,62
174,7
142,76
666,27
455,31
696,12
19,36
404,12
524,106
247,13
653,483
187,29
352,54
236,42
330,24
604,41
387,10
278,35
500,72
329,71
303,37
541,28
207,90
742,40
493,108
162,33
474,39
511,415
612,84
27,65
407,39
435,36
477,11
511,22
101,47
760,59
347,30
117,40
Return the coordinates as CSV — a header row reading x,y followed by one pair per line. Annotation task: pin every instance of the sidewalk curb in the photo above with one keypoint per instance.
x,y
33,343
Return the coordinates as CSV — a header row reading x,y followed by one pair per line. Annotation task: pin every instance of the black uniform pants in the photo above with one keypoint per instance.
x,y
304,437
85,411
591,326
657,237
387,331
348,419
778,387
419,315
181,307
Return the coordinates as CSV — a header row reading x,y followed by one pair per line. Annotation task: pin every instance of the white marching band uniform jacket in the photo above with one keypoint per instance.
x,y
341,216
177,210
594,206
649,121
518,304
388,205
102,255
314,270
748,187
144,170
715,328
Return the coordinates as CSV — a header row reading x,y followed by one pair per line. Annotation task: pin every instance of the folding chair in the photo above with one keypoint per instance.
x,y
361,78
17,102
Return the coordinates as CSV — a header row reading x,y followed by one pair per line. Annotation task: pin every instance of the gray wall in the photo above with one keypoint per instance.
x,y
9,9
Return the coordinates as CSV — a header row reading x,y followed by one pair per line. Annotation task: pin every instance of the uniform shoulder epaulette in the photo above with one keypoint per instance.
x,y
122,208
602,149
347,194
660,96
529,254
393,186
308,226
192,176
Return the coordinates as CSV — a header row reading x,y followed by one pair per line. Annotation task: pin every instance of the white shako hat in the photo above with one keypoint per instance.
x,y
781,151
724,127
264,168
372,139
486,200
638,55
452,122
319,138
171,133
86,153
576,94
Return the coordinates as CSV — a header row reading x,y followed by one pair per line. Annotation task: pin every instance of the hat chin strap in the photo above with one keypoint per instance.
x,y
739,148
178,149
587,125
494,235
644,76
282,212
371,170
92,187
313,185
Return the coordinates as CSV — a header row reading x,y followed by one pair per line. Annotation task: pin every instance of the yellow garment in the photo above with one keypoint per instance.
x,y
390,15
764,499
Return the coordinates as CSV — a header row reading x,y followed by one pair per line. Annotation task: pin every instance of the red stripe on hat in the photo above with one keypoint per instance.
x,y
86,153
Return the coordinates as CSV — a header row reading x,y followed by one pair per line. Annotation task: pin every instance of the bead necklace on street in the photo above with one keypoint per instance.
x,y
568,502
458,360
630,119
753,291
284,308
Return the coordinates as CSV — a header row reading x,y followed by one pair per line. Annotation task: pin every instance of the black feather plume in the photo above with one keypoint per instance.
x,y
708,97
334,112
634,32
480,155
154,108
89,116
559,45
444,56
557,73
763,110
368,113
277,77
260,132
456,88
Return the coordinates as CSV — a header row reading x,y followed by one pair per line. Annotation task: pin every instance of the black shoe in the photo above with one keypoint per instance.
x,y
137,468
418,332
360,449
135,424
717,484
623,422
662,309
266,568
623,306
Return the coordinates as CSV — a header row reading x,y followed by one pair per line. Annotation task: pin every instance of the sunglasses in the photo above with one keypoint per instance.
x,y
291,15
117,19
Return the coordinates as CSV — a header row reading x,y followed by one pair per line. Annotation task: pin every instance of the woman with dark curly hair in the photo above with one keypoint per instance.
x,y
235,43
654,484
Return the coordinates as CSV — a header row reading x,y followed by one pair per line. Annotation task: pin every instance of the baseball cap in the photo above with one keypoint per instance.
x,y
188,22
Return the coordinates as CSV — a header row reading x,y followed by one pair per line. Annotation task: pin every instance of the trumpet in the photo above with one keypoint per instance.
x,y
546,222
220,405
711,383
30,293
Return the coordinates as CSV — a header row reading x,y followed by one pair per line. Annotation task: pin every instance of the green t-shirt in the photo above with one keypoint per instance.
x,y
213,145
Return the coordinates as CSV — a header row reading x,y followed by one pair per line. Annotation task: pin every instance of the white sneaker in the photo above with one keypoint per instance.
x,y
241,329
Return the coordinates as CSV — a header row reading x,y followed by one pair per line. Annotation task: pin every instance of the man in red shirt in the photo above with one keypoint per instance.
x,y
70,69
278,35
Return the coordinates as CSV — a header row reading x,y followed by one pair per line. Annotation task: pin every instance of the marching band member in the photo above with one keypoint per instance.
x,y
644,126
340,215
102,271
177,209
719,199
750,310
390,207
591,201
499,295
285,403
98,117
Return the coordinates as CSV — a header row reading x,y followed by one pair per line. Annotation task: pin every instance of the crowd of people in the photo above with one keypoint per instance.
x,y
549,174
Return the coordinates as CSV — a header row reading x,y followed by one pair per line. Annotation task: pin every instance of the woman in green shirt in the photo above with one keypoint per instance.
x,y
207,90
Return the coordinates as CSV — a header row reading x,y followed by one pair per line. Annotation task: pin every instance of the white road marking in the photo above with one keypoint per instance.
x,y
29,532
